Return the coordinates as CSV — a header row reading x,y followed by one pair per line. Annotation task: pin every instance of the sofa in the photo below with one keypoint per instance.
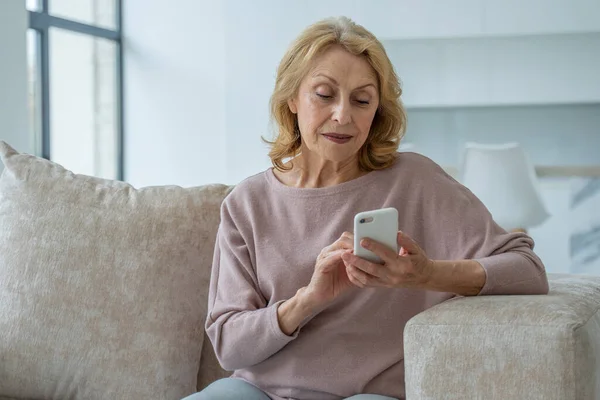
x,y
103,293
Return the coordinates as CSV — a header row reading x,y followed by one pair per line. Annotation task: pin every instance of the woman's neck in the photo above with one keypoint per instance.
x,y
319,173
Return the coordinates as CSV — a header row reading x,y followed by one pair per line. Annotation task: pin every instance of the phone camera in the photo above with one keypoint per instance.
x,y
362,221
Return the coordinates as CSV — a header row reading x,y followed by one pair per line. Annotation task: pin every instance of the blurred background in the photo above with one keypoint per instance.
x,y
504,94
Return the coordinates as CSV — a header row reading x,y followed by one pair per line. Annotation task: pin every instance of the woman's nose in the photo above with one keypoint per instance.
x,y
342,112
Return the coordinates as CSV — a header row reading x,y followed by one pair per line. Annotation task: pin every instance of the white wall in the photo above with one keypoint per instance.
x,y
198,78
257,36
14,124
174,92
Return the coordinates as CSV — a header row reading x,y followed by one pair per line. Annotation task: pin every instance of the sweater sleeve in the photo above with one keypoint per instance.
x,y
468,231
243,329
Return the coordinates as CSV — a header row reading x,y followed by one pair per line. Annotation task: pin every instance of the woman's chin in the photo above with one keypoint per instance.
x,y
339,155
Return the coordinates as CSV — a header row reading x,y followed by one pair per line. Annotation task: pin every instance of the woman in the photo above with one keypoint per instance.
x,y
292,312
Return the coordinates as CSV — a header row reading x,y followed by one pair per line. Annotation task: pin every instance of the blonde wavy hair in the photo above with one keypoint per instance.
x,y
389,123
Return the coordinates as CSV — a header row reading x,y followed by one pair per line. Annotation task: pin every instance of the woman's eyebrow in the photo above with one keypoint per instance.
x,y
367,85
336,83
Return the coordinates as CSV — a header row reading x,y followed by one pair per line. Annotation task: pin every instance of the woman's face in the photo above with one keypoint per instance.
x,y
336,104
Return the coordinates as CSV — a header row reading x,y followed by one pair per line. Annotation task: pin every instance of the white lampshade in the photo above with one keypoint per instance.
x,y
505,181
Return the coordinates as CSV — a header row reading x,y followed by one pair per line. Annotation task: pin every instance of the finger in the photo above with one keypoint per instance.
x,y
407,243
348,235
346,241
348,238
384,252
374,270
354,277
365,279
331,259
354,280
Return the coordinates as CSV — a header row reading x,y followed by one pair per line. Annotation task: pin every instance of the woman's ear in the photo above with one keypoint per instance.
x,y
292,106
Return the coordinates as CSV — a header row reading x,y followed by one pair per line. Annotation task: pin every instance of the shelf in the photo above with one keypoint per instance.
x,y
431,19
447,107
485,36
537,70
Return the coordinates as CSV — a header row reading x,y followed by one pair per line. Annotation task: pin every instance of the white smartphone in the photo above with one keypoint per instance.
x,y
380,225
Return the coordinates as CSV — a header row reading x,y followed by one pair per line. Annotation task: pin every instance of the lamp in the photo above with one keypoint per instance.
x,y
503,178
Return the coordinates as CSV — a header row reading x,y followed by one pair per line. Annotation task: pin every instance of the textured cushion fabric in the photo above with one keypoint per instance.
x,y
508,347
102,286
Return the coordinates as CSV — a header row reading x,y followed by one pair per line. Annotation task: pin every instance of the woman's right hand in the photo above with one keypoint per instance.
x,y
329,279
328,282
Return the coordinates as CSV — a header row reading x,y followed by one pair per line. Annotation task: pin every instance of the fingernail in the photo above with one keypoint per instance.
x,y
366,244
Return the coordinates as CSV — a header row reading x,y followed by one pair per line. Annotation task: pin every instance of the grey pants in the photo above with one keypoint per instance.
x,y
237,389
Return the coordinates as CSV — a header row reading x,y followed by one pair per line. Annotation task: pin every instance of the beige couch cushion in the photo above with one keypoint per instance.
x,y
102,286
508,347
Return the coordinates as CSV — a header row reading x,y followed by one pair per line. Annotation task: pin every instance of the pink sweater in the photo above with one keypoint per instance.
x,y
267,244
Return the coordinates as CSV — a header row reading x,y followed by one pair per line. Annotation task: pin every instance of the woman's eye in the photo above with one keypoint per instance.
x,y
324,96
363,102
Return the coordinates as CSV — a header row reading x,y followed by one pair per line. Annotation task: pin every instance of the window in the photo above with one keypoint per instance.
x,y
75,91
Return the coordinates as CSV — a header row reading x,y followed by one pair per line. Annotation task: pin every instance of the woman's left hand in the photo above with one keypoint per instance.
x,y
409,268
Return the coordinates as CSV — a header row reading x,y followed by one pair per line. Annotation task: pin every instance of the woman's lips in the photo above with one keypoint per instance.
x,y
337,138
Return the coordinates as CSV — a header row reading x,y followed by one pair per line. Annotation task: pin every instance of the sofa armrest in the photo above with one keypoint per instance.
x,y
508,347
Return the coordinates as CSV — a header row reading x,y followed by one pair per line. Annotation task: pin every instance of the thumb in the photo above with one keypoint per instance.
x,y
407,245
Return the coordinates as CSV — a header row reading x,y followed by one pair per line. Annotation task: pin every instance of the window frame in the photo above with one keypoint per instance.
x,y
41,21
